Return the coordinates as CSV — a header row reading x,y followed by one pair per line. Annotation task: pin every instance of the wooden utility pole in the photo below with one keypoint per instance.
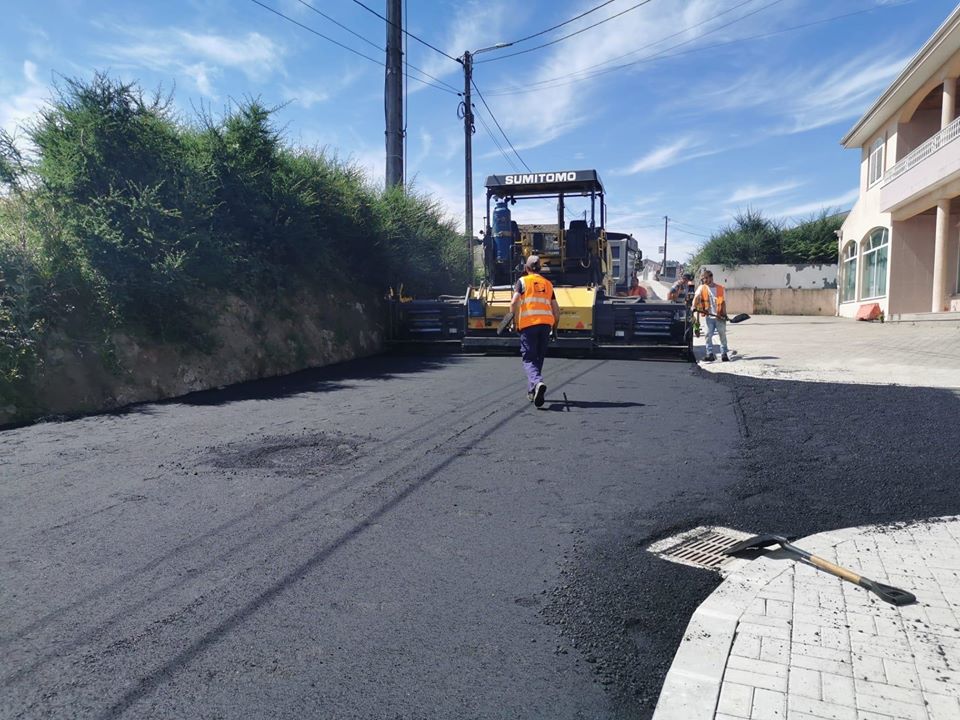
x,y
393,93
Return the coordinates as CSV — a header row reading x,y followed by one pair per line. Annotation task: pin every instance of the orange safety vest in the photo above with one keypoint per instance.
x,y
535,305
702,301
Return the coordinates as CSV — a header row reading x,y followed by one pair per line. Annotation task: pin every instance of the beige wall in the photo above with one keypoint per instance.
x,y
866,215
922,126
911,264
781,301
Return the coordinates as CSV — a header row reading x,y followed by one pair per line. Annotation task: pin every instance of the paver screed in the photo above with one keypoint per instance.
x,y
809,646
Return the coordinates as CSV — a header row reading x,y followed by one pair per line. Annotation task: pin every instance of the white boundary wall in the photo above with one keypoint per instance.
x,y
796,277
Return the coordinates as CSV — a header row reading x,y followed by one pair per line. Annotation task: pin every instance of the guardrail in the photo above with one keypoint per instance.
x,y
921,153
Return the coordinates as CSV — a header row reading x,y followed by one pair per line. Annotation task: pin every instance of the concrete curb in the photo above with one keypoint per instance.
x,y
691,689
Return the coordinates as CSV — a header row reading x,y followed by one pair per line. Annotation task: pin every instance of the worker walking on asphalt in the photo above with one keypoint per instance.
x,y
537,314
709,300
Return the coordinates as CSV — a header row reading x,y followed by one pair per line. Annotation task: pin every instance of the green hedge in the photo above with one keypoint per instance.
x,y
121,212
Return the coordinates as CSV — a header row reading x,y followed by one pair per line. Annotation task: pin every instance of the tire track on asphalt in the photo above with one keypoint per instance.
x,y
385,473
440,420
152,681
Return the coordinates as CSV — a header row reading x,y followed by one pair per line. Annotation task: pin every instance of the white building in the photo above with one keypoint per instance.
x,y
900,244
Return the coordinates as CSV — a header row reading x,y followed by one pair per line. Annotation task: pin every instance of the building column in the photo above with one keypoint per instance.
x,y
949,107
941,270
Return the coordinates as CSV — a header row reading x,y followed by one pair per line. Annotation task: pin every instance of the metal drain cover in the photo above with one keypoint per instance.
x,y
701,547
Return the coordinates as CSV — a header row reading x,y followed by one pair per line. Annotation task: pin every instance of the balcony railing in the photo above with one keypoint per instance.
x,y
921,153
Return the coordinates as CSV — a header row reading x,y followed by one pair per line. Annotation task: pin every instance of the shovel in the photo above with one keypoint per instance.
x,y
892,595
505,323
735,319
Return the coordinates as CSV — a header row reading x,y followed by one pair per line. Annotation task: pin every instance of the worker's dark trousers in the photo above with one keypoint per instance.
x,y
533,349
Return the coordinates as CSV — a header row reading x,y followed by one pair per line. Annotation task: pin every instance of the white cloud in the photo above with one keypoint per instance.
x,y
840,202
808,97
664,156
757,192
202,57
19,107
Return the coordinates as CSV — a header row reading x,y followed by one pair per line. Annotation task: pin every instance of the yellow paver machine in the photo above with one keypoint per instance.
x,y
587,266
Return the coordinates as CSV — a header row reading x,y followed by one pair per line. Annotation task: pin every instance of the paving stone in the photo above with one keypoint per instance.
x,y
760,667
804,682
896,708
766,682
821,709
747,646
942,707
735,700
838,689
775,650
869,667
768,705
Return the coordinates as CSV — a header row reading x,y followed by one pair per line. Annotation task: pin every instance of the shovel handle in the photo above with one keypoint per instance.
x,y
835,569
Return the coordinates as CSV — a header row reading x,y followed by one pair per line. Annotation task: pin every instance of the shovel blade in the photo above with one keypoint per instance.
x,y
755,543
888,593
739,318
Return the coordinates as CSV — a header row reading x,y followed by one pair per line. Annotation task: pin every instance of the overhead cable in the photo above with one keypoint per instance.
x,y
448,89
663,39
494,117
496,142
405,32
373,44
560,25
561,81
564,37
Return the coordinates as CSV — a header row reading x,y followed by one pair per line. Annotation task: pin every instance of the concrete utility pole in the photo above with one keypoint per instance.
x,y
393,93
468,131
666,221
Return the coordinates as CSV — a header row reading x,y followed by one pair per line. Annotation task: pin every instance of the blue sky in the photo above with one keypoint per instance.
x,y
693,109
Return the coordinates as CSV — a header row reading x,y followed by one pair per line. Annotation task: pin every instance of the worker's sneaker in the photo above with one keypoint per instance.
x,y
724,358
530,395
710,358
538,392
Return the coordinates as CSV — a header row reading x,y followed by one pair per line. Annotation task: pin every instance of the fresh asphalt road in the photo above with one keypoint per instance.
x,y
409,538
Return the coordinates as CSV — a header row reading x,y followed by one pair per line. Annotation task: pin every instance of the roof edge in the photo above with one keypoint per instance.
x,y
949,25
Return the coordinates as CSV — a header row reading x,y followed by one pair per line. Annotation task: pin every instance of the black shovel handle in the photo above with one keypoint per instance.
x,y
507,319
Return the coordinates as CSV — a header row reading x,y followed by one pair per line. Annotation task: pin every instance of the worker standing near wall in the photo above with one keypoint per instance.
x,y
537,312
709,300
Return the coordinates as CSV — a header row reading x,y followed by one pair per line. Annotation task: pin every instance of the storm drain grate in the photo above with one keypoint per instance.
x,y
701,547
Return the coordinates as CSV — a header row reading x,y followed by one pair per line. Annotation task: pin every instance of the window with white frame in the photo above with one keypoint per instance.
x,y
848,290
875,169
875,247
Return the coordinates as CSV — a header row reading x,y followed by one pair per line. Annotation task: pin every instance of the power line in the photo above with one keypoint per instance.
x,y
373,44
691,225
448,89
483,100
662,55
657,42
405,32
688,232
496,142
565,37
560,25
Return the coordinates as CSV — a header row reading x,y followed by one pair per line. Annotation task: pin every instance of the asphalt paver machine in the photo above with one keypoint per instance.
x,y
577,257
584,263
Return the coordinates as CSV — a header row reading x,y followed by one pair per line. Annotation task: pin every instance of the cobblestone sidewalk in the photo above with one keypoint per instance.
x,y
782,640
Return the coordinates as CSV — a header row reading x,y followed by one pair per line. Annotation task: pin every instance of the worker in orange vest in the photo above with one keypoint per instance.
x,y
537,314
709,299
636,289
